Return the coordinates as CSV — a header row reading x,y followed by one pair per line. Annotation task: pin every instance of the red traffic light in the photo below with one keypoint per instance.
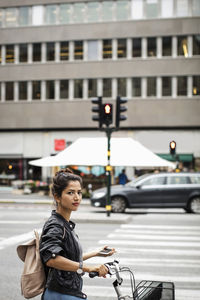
x,y
172,145
107,109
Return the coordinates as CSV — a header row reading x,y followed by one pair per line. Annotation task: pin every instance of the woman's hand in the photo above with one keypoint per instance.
x,y
102,270
100,252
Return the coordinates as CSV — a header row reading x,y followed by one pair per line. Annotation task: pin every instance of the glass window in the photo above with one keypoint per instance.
x,y
0,91
10,17
23,16
195,179
182,8
23,90
177,180
9,90
196,44
136,47
36,90
50,14
1,17
23,53
78,88
182,86
64,89
50,51
107,87
151,8
182,46
92,88
37,15
50,89
65,13
167,46
107,10
78,50
137,9
196,8
196,85
0,55
93,11
107,49
122,10
37,52
92,50
151,46
151,86
166,86
167,8
121,87
154,181
121,48
64,50
10,54
79,12
136,87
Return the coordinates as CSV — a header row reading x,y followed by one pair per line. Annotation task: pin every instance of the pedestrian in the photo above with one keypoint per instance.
x,y
123,179
60,249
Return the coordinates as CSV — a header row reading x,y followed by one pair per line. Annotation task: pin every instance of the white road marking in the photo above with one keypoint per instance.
x,y
151,243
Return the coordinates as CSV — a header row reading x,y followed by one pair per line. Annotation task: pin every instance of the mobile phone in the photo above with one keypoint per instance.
x,y
105,251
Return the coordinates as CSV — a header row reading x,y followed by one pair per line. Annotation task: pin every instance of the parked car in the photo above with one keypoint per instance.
x,y
162,190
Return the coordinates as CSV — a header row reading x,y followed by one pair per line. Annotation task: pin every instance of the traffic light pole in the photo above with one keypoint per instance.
x,y
108,172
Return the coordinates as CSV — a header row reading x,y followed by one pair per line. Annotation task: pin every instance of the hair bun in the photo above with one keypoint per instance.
x,y
66,170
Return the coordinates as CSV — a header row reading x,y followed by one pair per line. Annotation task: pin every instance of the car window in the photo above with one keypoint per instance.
x,y
154,181
177,180
195,179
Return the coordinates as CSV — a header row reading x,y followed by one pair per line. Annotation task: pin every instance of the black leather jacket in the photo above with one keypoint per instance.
x,y
57,241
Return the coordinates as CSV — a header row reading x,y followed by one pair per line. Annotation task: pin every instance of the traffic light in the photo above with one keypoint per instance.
x,y
172,147
107,114
120,109
97,109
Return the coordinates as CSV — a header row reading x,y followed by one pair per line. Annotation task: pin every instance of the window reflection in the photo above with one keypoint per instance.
x,y
64,50
167,46
50,89
23,53
196,86
78,88
64,89
166,86
36,90
107,10
92,50
122,10
37,52
151,46
10,17
22,90
136,47
65,13
196,44
107,49
182,46
182,86
9,87
23,16
10,54
121,87
50,51
92,88
152,9
78,50
1,17
136,87
93,12
79,12
51,14
107,87
121,48
151,86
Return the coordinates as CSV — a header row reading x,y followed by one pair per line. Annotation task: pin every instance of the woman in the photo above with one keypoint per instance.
x,y
60,249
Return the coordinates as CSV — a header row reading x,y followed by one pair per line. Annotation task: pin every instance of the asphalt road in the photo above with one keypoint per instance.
x,y
159,245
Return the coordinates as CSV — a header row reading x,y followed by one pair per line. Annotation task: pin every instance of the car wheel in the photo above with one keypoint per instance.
x,y
118,204
194,205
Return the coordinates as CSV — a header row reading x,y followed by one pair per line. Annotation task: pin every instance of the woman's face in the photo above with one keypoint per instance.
x,y
71,196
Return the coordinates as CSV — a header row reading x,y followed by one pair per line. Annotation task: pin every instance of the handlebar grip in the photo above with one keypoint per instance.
x,y
93,274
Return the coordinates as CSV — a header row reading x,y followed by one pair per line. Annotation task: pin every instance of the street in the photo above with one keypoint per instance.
x,y
159,245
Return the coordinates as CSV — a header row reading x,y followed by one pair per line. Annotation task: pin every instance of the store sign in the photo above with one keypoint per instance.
x,y
59,145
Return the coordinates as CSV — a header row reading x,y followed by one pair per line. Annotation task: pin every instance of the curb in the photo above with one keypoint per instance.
x,y
103,219
35,201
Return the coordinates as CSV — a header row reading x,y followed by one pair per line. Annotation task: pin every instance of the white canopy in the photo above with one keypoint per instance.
x,y
93,152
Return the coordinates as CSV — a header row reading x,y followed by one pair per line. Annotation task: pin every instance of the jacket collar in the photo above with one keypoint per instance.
x,y
71,225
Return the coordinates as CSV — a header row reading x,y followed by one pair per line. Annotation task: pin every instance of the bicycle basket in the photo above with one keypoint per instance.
x,y
154,290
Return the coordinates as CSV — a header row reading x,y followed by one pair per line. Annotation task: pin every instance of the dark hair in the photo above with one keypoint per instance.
x,y
61,181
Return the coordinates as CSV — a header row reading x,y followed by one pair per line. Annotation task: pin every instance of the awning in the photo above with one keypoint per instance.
x,y
180,157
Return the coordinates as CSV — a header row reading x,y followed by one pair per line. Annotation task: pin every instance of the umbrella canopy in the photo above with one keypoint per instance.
x,y
93,152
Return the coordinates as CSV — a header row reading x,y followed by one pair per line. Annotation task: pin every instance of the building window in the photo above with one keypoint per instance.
x,y
166,86
37,15
79,12
9,90
167,46
23,90
1,17
196,8
93,11
121,87
65,14
182,86
92,50
92,88
107,87
182,8
121,48
0,55
36,90
182,46
107,10
167,8
122,10
196,85
51,14
50,89
50,51
78,50
137,9
107,49
37,53
23,16
136,87
64,50
151,86
10,17
151,9
23,53
136,47
196,44
78,88
151,47
10,54
64,89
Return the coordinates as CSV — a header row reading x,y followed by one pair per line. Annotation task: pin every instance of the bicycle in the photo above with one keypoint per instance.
x,y
145,290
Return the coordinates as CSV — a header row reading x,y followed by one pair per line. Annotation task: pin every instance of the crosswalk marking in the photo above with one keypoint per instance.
x,y
123,235
155,243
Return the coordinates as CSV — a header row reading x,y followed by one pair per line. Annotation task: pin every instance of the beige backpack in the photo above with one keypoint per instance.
x,y
33,278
